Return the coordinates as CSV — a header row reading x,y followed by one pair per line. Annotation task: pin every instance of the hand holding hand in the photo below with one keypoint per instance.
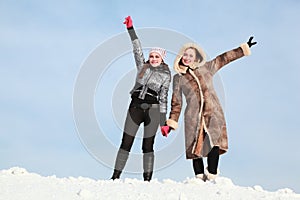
x,y
128,22
165,130
250,43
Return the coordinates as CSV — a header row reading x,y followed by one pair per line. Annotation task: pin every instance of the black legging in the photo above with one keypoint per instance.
x,y
135,116
212,162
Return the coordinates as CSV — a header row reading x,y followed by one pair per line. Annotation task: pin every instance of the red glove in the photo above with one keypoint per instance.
x,y
165,130
128,22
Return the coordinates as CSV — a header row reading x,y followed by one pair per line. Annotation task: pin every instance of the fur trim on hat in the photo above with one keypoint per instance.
x,y
182,69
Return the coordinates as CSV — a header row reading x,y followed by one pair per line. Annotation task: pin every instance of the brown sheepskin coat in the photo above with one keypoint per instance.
x,y
204,120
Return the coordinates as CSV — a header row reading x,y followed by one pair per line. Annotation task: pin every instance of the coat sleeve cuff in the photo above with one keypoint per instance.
x,y
173,124
246,49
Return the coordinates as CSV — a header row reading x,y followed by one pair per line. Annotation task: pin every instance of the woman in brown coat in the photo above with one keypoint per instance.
x,y
205,126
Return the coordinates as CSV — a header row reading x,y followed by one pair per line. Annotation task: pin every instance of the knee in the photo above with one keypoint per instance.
x,y
147,149
125,147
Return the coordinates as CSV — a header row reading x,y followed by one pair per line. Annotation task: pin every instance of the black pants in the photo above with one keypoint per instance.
x,y
135,117
212,162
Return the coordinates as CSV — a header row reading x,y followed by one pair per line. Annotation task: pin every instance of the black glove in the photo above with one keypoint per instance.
x,y
162,119
250,43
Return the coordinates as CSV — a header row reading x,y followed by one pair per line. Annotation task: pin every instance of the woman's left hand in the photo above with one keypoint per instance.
x,y
128,22
250,43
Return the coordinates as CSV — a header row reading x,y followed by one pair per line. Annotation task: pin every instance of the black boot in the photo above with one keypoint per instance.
x,y
121,160
116,174
148,162
147,176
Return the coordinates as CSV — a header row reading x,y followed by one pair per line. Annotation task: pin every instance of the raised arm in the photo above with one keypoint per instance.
x,y
229,56
137,47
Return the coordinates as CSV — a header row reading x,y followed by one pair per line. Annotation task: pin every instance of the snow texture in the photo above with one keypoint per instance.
x,y
17,183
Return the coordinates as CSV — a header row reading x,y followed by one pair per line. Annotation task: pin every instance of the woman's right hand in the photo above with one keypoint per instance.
x,y
128,22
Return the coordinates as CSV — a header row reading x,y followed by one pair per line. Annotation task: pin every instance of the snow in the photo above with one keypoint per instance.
x,y
17,183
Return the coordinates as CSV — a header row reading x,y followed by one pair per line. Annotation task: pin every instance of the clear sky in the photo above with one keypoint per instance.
x,y
43,45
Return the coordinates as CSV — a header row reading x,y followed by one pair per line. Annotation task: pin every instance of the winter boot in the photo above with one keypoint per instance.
x,y
116,174
198,167
121,160
148,162
210,176
201,176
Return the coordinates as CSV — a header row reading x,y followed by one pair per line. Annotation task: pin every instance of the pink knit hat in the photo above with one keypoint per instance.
x,y
162,52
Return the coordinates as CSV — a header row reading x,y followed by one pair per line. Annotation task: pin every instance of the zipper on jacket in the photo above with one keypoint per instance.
x,y
145,87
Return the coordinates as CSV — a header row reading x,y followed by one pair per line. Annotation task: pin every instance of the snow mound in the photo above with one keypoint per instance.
x,y
17,183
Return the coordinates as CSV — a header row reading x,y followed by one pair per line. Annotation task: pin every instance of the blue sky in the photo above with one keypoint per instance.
x,y
43,45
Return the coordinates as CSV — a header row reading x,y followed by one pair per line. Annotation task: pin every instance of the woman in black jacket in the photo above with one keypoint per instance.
x,y
148,104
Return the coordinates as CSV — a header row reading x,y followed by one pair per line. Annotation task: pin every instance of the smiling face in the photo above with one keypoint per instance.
x,y
155,59
189,56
